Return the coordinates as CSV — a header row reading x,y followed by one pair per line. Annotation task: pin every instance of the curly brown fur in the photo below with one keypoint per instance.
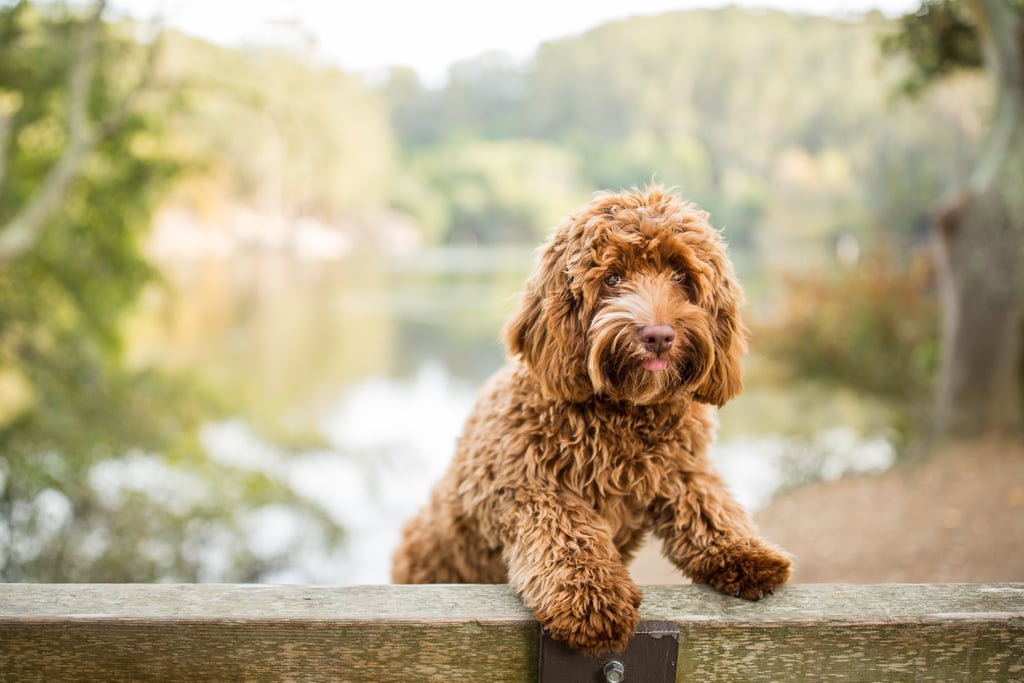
x,y
597,430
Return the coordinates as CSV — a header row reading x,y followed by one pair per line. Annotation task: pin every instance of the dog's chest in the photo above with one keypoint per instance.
x,y
619,462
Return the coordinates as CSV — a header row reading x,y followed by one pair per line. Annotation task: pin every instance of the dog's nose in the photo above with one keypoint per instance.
x,y
657,338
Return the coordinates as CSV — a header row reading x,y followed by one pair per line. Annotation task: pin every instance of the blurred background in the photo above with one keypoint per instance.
x,y
254,268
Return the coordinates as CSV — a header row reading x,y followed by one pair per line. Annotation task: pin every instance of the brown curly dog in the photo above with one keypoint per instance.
x,y
597,431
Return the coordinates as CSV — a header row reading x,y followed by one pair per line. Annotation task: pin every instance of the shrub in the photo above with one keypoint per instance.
x,y
872,327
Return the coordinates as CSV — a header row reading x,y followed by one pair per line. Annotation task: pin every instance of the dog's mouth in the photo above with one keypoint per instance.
x,y
655,364
624,372
645,362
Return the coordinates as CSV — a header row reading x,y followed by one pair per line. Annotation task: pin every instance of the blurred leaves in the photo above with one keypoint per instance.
x,y
276,132
939,38
780,125
873,328
499,191
980,243
71,405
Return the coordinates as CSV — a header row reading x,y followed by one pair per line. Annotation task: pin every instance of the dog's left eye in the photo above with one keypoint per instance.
x,y
679,275
613,280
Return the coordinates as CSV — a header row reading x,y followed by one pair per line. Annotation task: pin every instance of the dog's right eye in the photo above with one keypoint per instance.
x,y
613,280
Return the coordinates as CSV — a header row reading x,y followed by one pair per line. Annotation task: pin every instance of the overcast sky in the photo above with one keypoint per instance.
x,y
430,35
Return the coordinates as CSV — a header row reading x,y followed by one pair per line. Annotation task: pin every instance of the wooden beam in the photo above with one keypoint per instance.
x,y
107,632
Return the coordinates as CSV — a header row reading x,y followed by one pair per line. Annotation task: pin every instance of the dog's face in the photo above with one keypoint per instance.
x,y
633,299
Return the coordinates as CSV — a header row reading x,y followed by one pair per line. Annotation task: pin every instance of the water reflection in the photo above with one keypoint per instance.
x,y
286,336
380,362
389,440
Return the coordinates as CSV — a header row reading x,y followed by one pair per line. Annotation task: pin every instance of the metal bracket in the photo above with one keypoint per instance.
x,y
650,657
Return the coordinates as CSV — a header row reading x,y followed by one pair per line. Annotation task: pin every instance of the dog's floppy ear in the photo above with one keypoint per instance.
x,y
724,380
547,331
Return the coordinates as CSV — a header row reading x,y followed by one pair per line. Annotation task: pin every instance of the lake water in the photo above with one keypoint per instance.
x,y
374,364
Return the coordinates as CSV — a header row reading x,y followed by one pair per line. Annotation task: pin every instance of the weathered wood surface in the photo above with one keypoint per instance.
x,y
950,632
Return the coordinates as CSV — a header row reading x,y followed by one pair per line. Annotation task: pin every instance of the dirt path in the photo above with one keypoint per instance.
x,y
956,517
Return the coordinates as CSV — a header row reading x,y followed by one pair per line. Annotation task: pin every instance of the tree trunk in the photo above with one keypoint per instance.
x,y
980,244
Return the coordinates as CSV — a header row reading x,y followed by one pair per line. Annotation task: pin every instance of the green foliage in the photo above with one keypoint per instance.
x,y
719,104
70,405
277,133
940,39
873,327
61,303
499,192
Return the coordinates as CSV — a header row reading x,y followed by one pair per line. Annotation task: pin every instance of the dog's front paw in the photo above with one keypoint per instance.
x,y
747,569
593,617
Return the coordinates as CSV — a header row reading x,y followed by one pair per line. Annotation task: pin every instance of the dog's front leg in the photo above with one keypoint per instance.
x,y
561,559
710,537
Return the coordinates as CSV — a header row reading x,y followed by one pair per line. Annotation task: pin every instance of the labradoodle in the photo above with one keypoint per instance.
x,y
597,430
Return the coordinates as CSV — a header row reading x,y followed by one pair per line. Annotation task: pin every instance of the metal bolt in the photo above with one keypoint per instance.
x,y
614,672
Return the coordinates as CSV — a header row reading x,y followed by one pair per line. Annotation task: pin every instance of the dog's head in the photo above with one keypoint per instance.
x,y
633,299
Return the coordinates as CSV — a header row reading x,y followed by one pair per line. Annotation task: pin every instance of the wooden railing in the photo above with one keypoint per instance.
x,y
107,632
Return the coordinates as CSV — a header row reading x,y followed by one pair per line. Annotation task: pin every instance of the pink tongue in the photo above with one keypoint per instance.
x,y
655,364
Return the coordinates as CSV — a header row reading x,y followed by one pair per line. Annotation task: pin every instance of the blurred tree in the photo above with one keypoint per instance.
x,y
980,233
277,134
719,113
415,110
23,228
85,159
831,327
507,191
483,98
